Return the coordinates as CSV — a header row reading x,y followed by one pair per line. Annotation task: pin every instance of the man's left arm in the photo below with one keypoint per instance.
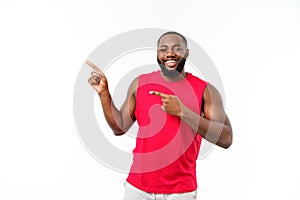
x,y
214,125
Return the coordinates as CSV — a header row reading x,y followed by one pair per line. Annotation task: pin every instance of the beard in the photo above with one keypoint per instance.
x,y
172,73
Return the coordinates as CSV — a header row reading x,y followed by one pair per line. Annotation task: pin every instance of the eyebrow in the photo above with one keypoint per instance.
x,y
175,45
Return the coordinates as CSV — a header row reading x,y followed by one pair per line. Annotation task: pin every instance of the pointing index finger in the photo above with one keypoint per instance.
x,y
158,93
94,67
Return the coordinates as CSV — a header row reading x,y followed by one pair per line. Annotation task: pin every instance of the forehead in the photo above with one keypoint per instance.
x,y
170,39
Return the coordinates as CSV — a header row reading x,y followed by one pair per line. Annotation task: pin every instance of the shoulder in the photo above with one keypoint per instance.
x,y
149,75
196,79
212,94
211,89
142,77
198,83
141,80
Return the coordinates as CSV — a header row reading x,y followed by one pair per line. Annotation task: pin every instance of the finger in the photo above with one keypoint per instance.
x,y
96,74
94,67
94,80
164,101
158,94
163,108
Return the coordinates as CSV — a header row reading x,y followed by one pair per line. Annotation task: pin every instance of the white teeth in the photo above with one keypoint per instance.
x,y
170,61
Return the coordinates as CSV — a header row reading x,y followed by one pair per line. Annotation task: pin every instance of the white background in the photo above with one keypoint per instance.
x,y
254,44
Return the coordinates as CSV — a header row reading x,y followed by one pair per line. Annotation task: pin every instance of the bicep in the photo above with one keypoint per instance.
x,y
219,123
213,106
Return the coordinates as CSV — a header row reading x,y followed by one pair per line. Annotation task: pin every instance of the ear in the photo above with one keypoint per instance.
x,y
186,55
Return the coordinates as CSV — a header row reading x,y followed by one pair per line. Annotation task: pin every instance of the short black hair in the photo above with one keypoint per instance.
x,y
173,32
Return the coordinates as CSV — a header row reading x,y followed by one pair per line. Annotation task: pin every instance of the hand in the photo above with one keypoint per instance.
x,y
170,103
97,80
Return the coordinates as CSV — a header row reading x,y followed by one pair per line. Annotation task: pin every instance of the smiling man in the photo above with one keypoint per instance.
x,y
171,61
174,110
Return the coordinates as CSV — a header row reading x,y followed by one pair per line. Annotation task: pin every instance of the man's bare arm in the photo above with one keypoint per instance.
x,y
118,120
214,126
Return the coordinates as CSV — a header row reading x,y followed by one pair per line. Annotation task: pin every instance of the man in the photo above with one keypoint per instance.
x,y
174,111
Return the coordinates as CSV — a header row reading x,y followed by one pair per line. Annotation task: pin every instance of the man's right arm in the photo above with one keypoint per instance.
x,y
118,120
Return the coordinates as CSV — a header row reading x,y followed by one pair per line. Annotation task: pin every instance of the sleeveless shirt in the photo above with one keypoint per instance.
x,y
164,159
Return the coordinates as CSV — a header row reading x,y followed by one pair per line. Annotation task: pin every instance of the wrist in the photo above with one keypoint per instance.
x,y
104,94
183,111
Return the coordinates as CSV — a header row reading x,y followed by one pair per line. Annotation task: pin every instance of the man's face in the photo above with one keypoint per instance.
x,y
171,54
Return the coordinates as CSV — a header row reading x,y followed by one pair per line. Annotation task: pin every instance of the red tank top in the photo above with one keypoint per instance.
x,y
164,159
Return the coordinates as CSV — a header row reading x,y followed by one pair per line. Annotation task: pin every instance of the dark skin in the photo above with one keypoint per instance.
x,y
213,124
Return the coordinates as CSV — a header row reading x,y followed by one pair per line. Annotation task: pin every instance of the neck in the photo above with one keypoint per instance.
x,y
179,77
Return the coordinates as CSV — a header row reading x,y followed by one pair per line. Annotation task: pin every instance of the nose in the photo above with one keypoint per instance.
x,y
170,52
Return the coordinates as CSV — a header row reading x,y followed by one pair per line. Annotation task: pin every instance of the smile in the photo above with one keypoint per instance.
x,y
171,63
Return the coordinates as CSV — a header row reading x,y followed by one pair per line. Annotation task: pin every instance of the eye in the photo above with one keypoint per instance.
x,y
162,50
178,49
